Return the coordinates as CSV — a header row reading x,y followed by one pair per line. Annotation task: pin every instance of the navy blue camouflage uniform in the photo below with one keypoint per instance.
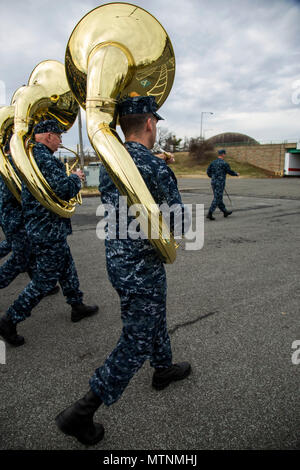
x,y
5,248
217,171
138,275
48,233
12,223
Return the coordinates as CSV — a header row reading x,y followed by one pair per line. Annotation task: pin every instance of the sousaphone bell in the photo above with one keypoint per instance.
x,y
46,96
119,50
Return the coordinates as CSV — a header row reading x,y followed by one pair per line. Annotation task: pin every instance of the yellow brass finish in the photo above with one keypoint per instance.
x,y
7,172
47,96
69,170
134,30
120,50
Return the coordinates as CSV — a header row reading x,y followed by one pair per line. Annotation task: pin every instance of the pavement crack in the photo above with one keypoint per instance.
x,y
238,240
191,322
253,208
85,355
285,215
198,191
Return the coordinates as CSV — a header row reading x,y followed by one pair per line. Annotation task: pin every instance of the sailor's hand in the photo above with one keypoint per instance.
x,y
167,156
80,174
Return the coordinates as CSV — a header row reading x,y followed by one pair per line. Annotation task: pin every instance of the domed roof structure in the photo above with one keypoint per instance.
x,y
231,138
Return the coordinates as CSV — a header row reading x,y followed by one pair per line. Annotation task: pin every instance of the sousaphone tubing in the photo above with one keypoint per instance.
x,y
119,50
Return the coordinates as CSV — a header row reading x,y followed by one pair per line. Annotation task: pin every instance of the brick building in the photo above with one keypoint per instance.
x,y
280,159
271,157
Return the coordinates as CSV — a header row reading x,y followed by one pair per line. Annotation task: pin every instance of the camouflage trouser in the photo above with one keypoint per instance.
x,y
20,260
54,263
144,336
218,189
5,248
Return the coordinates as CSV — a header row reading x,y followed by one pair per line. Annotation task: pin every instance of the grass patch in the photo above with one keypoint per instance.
x,y
185,165
90,191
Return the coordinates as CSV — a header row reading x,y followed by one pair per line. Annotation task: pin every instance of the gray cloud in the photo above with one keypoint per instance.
x,y
237,59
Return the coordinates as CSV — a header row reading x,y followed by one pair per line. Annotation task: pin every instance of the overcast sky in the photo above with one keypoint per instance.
x,y
239,59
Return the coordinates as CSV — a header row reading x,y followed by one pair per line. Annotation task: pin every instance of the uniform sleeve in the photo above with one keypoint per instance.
x,y
229,170
209,171
65,187
168,185
180,218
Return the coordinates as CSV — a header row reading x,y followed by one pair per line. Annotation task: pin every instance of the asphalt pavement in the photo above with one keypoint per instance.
x,y
233,312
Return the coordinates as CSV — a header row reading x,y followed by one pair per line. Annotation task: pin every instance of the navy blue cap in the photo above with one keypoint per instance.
x,y
222,152
51,125
138,105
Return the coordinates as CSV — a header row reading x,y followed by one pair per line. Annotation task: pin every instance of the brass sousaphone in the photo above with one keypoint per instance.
x,y
7,171
46,96
120,50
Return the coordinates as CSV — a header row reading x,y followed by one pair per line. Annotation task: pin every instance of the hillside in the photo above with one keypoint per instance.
x,y
184,166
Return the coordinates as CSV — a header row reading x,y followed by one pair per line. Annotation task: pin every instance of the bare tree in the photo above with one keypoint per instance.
x,y
162,135
201,151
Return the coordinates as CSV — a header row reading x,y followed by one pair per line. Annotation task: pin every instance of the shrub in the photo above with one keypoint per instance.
x,y
201,151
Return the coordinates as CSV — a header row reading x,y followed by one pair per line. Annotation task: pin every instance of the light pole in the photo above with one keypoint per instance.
x,y
203,112
206,130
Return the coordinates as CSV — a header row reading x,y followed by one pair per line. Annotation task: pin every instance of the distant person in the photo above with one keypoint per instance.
x,y
217,171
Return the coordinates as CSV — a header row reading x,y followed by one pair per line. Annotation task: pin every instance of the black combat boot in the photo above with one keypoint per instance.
x,y
163,377
8,330
210,216
77,420
81,311
227,213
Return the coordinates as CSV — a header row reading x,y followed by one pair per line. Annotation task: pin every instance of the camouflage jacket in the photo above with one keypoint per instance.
x,y
134,265
11,217
42,225
218,169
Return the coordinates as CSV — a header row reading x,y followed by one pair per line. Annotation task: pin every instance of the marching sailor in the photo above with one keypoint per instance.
x,y
47,233
217,171
138,275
